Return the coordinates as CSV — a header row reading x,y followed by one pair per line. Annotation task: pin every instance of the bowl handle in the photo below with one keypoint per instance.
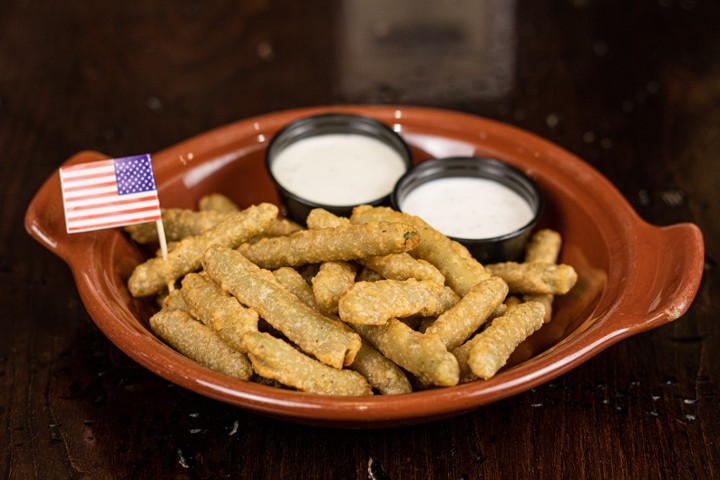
x,y
665,277
45,218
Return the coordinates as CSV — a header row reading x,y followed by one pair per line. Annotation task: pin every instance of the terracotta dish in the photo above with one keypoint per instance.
x,y
633,276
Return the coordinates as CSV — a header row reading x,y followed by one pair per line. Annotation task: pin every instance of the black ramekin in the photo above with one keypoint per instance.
x,y
296,207
507,247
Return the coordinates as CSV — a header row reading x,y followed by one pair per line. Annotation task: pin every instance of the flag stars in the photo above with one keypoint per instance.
x,y
134,175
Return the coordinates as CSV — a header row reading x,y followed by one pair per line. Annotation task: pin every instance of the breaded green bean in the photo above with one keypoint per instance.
x,y
382,373
295,283
401,266
320,218
423,355
543,247
368,275
218,310
282,227
462,354
493,347
511,301
534,278
331,244
178,223
458,323
374,303
152,276
332,280
397,266
174,301
323,337
199,343
454,261
217,202
275,359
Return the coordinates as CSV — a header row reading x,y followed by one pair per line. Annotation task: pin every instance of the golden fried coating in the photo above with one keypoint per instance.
x,y
276,359
296,284
282,227
492,347
398,266
458,323
401,266
374,303
331,244
535,278
332,280
320,218
152,276
368,275
217,202
382,373
543,247
218,310
174,301
423,355
323,337
352,307
200,343
460,269
178,223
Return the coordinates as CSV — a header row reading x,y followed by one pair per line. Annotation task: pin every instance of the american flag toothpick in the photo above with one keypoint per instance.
x,y
111,193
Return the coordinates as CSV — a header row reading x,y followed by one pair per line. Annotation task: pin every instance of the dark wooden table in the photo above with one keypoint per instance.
x,y
633,88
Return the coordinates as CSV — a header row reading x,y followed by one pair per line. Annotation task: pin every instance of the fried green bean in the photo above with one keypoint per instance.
x,y
401,266
458,323
152,276
543,247
218,310
368,275
382,373
535,278
217,202
332,280
374,303
199,343
323,337
275,359
282,227
397,266
174,301
423,355
460,269
331,244
178,223
294,282
492,347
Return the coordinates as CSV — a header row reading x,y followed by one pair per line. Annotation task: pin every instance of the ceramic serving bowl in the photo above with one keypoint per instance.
x,y
632,276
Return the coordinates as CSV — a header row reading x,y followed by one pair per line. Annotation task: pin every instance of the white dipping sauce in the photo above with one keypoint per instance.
x,y
338,169
467,207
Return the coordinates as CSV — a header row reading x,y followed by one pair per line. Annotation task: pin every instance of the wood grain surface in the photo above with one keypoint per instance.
x,y
633,88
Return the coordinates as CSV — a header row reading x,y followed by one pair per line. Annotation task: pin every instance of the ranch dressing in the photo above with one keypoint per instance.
x,y
338,169
466,207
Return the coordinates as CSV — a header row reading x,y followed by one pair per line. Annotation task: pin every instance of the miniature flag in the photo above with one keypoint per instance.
x,y
109,193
